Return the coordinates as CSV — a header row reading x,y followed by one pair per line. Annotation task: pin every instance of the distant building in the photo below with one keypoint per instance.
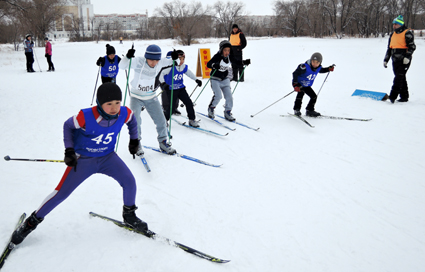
x,y
79,15
77,11
129,23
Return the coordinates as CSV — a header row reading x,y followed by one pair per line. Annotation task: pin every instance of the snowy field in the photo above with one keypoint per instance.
x,y
343,196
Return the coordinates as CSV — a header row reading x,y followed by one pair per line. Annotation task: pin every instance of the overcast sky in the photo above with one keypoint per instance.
x,y
253,7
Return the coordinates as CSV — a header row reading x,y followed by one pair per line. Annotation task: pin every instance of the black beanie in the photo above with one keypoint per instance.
x,y
235,25
107,92
110,49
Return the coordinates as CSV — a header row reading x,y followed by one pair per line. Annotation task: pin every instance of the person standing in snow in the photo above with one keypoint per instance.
x,y
143,88
220,65
109,64
90,139
179,90
48,55
28,46
401,46
302,80
238,41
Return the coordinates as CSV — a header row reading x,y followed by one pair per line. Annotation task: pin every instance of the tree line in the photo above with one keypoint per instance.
x,y
187,22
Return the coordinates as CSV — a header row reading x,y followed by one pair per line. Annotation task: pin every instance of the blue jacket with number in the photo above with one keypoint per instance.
x,y
305,75
110,69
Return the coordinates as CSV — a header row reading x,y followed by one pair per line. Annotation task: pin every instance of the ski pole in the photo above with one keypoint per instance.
x,y
129,66
204,87
37,60
272,104
171,102
324,80
7,158
182,105
239,79
95,85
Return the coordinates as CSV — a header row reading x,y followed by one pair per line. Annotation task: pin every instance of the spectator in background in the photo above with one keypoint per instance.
x,y
401,46
48,55
28,45
238,41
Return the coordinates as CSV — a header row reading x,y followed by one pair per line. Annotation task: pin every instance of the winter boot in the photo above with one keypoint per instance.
x,y
211,112
403,100
312,113
140,151
164,146
132,220
25,228
297,113
193,123
228,116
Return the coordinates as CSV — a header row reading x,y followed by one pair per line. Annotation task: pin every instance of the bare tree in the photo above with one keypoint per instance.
x,y
227,14
182,19
39,16
290,16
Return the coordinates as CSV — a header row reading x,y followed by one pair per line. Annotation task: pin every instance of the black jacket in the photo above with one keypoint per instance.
x,y
399,54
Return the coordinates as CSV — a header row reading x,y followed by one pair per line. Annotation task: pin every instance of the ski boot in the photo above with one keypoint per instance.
x,y
193,123
228,116
132,220
211,112
297,112
164,146
312,113
25,228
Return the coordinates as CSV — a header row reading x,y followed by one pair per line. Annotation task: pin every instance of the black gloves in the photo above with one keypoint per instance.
x,y
130,53
198,82
174,55
216,66
133,146
32,43
71,158
165,86
246,62
46,55
100,61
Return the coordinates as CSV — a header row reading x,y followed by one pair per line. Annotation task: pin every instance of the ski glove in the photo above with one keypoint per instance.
x,y
32,43
130,53
216,66
133,146
100,61
199,82
165,86
331,68
406,61
174,55
296,86
46,55
71,158
385,64
246,62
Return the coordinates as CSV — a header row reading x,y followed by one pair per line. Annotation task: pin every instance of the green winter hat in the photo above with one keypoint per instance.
x,y
399,20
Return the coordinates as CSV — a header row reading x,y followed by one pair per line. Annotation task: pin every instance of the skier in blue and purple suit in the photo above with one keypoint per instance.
x,y
90,139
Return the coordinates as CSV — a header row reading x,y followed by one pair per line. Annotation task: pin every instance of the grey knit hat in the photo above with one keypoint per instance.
x,y
317,56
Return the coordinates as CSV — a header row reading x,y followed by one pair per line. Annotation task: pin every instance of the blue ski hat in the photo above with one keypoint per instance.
x,y
399,20
153,52
169,55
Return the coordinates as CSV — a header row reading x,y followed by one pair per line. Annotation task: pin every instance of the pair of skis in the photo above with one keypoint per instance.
x,y
150,234
220,123
325,117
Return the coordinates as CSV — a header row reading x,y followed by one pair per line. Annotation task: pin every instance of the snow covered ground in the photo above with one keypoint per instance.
x,y
343,196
